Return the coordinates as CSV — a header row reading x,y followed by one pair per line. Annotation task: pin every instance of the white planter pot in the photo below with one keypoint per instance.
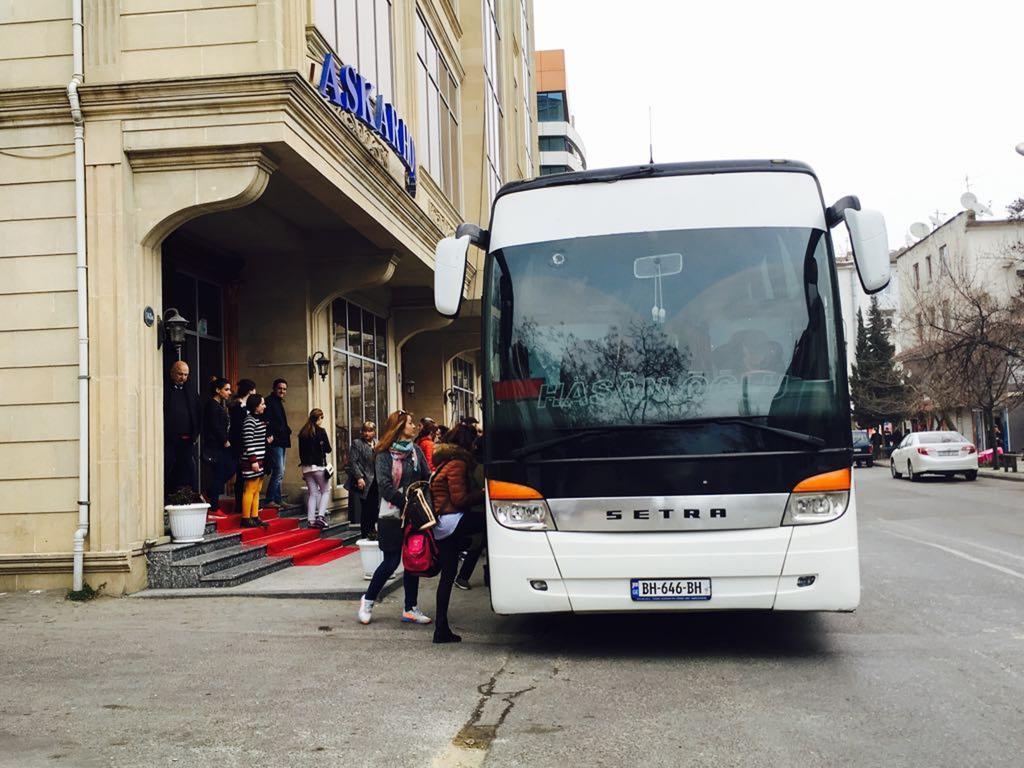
x,y
188,521
370,555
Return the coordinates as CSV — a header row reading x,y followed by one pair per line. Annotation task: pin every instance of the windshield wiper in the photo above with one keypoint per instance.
x,y
526,450
813,440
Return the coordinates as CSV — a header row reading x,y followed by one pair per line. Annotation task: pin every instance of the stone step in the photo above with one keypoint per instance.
x,y
189,571
165,554
239,574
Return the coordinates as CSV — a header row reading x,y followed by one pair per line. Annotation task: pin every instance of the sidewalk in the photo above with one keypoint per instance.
x,y
998,474
341,579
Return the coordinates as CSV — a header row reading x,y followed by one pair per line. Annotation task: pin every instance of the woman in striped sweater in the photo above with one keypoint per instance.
x,y
254,451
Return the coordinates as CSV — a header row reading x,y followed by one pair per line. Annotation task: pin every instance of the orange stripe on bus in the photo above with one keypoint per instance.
x,y
839,480
499,489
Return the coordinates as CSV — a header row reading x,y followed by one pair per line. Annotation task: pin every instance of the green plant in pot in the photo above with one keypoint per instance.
x,y
186,512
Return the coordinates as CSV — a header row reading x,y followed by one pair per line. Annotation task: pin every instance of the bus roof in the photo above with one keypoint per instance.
x,y
656,170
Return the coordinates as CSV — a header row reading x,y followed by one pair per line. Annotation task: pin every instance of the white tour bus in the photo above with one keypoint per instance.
x,y
666,410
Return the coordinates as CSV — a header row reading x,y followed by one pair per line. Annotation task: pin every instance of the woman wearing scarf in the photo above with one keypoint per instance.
x,y
398,463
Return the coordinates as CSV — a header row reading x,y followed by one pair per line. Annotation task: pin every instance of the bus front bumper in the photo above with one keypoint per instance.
x,y
788,568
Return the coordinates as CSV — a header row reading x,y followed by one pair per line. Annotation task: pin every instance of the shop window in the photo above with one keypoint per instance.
x,y
493,114
438,107
463,389
360,357
360,32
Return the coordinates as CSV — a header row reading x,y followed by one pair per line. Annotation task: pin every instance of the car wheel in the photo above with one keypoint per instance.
x,y
971,474
911,474
871,463
892,468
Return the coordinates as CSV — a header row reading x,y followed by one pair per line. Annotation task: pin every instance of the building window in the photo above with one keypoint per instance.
x,y
526,57
463,389
360,356
438,97
554,144
944,259
551,107
548,170
493,115
360,32
928,267
917,276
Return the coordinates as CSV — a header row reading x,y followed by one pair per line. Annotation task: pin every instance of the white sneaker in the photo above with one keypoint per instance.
x,y
416,616
365,610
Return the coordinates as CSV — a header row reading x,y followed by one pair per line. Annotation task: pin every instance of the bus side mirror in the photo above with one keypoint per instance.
x,y
870,248
450,274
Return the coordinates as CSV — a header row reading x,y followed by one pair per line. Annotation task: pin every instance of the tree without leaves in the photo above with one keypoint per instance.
x,y
1015,210
970,345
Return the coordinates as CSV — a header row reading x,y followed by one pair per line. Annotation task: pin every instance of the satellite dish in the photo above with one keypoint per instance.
x,y
970,201
936,219
919,229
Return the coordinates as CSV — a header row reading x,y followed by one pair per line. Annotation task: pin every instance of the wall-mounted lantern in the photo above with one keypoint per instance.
x,y
410,387
171,330
318,363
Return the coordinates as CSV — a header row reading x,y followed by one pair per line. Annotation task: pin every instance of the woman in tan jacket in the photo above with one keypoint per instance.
x,y
454,499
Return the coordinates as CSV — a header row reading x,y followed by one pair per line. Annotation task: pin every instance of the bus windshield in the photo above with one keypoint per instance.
x,y
664,343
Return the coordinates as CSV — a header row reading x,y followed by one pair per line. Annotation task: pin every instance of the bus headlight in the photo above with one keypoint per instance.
x,y
810,508
525,515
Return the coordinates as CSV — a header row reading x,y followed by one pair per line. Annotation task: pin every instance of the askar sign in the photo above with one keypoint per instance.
x,y
346,88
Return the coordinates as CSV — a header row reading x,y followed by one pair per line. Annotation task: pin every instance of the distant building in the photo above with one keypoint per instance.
x,y
961,245
853,298
561,148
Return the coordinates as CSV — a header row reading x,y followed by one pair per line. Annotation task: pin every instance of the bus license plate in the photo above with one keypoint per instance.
x,y
670,589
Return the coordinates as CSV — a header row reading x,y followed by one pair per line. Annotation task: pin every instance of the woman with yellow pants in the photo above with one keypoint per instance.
x,y
254,451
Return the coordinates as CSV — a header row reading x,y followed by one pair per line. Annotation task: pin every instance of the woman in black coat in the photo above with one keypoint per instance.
x,y
314,447
218,461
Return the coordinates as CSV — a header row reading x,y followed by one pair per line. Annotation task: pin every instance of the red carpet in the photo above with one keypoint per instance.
x,y
326,557
282,537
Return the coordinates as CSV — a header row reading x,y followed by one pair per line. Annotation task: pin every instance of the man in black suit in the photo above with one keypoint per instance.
x,y
279,435
181,430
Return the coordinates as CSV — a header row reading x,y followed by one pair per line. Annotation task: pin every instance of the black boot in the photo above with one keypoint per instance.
x,y
445,635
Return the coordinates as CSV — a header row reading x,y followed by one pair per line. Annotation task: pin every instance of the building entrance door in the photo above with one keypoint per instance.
x,y
201,302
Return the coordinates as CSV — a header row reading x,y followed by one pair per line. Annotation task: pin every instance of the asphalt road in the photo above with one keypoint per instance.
x,y
928,672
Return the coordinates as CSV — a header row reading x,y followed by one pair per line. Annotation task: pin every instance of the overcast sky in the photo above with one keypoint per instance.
x,y
893,101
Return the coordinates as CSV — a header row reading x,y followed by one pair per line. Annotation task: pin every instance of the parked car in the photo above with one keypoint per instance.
x,y
862,448
939,453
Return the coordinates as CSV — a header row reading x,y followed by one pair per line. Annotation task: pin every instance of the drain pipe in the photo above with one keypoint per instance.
x,y
82,282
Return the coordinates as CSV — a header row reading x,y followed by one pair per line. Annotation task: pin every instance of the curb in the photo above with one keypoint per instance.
x,y
291,594
1013,477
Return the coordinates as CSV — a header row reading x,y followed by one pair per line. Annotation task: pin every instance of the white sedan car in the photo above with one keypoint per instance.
x,y
937,453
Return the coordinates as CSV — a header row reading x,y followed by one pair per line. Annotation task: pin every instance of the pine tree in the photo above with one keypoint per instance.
x,y
860,373
884,391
